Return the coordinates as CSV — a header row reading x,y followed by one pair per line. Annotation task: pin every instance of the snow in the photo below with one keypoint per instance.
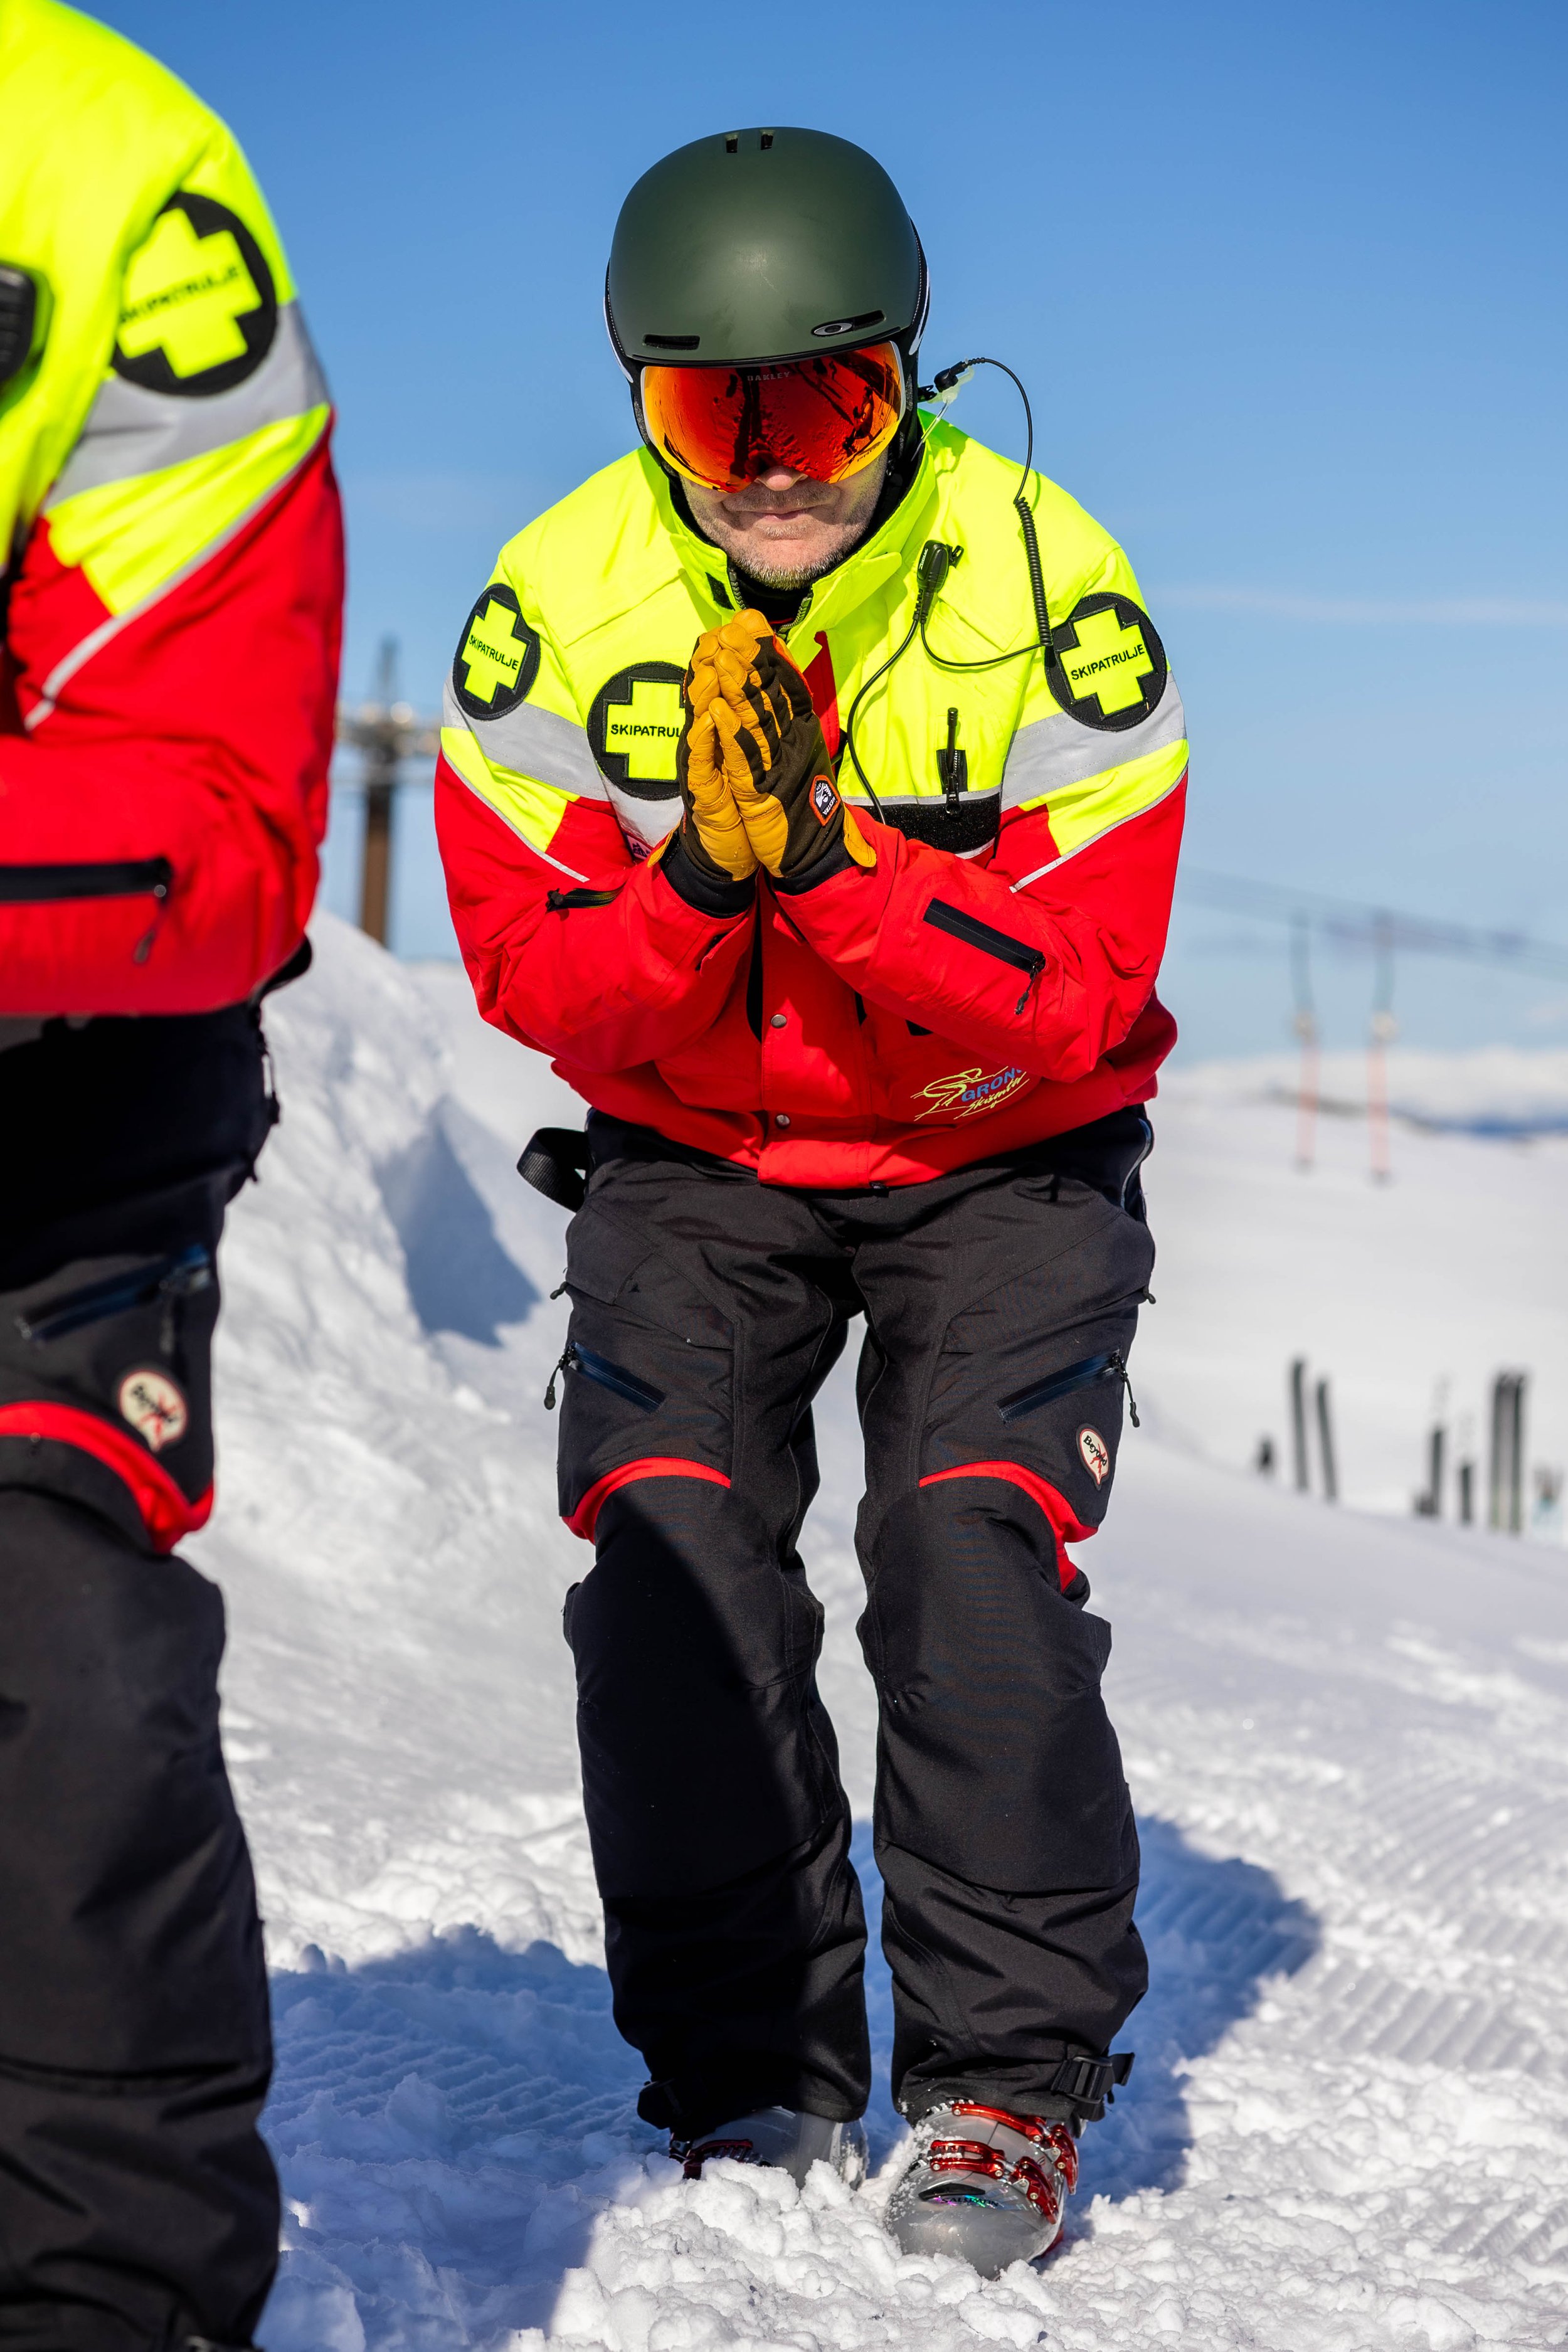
x,y
1344,1729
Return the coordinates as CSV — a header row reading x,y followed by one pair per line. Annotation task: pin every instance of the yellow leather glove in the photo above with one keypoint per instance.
x,y
711,835
771,751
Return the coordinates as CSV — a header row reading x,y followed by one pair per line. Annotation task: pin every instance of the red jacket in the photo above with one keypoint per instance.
x,y
170,653
884,1025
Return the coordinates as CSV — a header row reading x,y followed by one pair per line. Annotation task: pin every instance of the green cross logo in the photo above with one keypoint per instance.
x,y
184,294
645,730
492,656
1108,660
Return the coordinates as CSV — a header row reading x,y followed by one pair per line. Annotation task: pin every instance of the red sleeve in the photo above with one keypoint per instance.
x,y
1048,969
580,953
159,818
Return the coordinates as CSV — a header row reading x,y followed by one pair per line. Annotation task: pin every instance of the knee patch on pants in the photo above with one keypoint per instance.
x,y
132,1941
997,1759
688,1597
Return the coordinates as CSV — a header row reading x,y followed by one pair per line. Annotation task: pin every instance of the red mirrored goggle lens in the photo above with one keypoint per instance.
x,y
825,417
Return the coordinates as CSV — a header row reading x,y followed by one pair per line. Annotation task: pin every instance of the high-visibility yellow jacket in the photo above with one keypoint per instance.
x,y
989,982
171,630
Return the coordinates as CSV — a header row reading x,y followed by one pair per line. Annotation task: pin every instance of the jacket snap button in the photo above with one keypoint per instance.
x,y
781,1118
779,1021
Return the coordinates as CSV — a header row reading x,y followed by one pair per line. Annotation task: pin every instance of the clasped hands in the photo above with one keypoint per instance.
x,y
756,783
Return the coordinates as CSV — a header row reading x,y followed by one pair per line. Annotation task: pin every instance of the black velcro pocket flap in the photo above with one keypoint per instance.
x,y
609,1257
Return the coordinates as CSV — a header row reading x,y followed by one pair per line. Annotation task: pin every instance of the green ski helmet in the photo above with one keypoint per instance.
x,y
758,246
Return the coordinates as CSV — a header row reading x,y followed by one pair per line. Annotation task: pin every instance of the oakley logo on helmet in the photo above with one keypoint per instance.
x,y
200,308
497,656
1110,668
849,326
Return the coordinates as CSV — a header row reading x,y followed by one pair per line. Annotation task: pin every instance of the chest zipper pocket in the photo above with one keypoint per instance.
x,y
1083,1375
614,1377
958,924
170,1279
124,877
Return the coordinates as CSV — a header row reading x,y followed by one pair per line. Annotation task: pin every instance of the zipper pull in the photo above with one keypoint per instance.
x,y
1120,1365
559,1289
1036,969
144,947
567,1355
190,1272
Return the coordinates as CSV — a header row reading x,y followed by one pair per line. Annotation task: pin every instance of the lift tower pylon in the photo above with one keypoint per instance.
x,y
385,733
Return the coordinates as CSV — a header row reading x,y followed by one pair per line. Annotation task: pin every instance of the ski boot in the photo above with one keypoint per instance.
x,y
780,2135
989,2187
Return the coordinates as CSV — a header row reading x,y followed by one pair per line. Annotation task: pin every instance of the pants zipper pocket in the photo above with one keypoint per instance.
x,y
170,1278
1112,1367
958,924
614,1377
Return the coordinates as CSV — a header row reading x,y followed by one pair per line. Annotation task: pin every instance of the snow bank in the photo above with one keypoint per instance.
x,y
1349,2124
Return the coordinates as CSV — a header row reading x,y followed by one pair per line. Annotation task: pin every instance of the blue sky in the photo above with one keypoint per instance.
x,y
1288,289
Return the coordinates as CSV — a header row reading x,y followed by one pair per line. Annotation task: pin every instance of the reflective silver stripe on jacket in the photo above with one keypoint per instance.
x,y
132,431
1048,754
531,742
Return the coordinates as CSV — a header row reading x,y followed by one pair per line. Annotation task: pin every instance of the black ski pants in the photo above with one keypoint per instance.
x,y
138,2204
707,1308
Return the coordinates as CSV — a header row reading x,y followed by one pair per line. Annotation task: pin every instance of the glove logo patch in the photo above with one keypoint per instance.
x,y
824,799
154,1407
634,727
497,656
1110,668
964,1092
1096,1454
201,308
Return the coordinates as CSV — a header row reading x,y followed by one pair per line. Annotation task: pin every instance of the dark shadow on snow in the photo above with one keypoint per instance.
x,y
459,1277
506,2069
1216,1932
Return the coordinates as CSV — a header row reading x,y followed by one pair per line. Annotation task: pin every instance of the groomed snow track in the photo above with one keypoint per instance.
x,y
1347,1735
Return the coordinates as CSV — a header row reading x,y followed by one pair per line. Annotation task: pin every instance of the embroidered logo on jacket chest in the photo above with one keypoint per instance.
x,y
964,1092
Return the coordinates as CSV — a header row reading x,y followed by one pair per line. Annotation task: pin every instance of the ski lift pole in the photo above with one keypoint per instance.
x,y
1505,1466
1515,1457
1298,1424
1326,1444
1385,1028
386,732
381,749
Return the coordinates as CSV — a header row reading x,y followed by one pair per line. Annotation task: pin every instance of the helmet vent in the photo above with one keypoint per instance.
x,y
765,141
845,326
732,142
673,342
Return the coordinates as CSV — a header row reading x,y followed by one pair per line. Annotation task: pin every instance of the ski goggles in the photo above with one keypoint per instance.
x,y
826,418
